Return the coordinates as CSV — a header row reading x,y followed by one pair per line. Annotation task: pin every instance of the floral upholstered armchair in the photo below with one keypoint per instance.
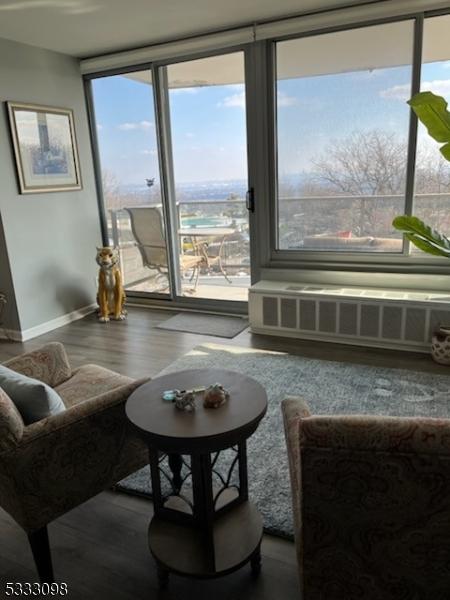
x,y
55,464
371,499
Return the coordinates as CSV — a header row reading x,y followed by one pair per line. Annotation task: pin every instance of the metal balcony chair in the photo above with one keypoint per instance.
x,y
148,231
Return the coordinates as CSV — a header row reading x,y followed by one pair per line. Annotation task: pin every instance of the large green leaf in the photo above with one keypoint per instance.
x,y
425,246
445,151
423,236
432,111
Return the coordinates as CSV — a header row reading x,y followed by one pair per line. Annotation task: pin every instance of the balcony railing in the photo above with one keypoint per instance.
x,y
316,222
211,214
351,223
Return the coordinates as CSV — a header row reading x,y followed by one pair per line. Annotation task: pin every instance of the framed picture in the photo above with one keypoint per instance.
x,y
45,148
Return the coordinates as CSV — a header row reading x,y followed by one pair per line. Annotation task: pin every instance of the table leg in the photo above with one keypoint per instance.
x,y
255,562
176,464
163,576
158,503
204,504
243,477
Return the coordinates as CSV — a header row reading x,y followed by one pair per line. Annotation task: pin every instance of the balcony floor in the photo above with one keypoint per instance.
x,y
209,287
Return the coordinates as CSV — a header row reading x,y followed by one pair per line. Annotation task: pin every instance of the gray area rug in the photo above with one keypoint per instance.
x,y
216,325
328,388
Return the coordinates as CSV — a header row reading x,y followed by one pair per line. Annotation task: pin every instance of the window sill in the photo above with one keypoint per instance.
x,y
360,276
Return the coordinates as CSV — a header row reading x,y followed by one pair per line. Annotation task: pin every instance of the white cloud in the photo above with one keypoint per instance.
x,y
438,86
148,152
132,126
403,92
99,127
285,100
238,100
189,134
397,92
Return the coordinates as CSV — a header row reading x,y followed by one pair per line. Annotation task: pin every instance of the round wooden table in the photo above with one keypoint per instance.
x,y
204,525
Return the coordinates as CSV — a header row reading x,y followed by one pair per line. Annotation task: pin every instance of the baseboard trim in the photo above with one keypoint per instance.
x,y
32,332
349,341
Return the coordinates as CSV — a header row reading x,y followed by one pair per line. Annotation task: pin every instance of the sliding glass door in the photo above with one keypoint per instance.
x,y
208,147
134,213
173,164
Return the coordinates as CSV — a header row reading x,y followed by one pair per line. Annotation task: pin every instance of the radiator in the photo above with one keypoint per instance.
x,y
377,317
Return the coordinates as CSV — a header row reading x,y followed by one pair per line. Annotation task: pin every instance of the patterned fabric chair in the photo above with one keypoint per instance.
x,y
53,465
371,499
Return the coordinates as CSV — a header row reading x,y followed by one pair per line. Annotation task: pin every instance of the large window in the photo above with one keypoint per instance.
x,y
342,138
345,158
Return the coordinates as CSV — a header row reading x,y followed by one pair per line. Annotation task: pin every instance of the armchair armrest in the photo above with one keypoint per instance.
x,y
294,410
93,408
48,364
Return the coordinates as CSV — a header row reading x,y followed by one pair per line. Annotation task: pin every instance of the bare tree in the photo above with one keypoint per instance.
x,y
432,172
374,164
371,167
111,193
365,163
365,166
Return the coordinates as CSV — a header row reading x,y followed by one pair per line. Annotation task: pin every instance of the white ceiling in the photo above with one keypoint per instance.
x,y
88,27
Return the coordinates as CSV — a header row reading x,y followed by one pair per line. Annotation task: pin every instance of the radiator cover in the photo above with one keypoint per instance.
x,y
377,317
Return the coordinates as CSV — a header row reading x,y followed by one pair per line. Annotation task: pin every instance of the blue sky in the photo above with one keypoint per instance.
x,y
208,123
208,129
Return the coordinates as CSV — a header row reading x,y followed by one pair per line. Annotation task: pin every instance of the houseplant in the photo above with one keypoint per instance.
x,y
432,111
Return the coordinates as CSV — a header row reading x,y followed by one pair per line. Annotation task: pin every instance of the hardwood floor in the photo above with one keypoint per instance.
x,y
100,548
135,347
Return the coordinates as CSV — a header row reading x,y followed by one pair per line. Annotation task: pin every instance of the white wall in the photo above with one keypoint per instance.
x,y
50,238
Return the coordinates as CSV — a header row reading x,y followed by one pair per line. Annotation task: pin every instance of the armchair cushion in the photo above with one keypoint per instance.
x,y
11,423
89,381
34,399
48,364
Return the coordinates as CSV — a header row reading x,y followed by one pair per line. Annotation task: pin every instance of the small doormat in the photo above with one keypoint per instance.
x,y
216,325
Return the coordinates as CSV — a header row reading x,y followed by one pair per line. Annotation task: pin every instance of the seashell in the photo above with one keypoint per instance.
x,y
216,395
185,401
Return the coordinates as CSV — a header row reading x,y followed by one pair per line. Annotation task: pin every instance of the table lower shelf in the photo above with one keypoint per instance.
x,y
181,549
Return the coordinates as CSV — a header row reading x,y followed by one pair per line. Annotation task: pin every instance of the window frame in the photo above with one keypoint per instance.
x,y
356,261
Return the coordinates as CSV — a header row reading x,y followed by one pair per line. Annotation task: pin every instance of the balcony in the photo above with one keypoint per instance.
x,y
216,231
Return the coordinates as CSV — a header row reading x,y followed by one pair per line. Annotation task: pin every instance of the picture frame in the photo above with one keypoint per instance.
x,y
45,148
